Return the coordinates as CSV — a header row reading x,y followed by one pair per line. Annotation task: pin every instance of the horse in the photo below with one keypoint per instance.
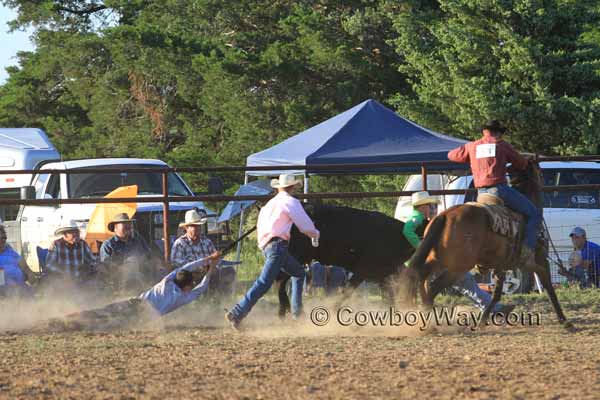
x,y
461,238
369,244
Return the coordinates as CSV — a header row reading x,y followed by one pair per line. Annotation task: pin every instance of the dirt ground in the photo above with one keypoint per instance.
x,y
193,355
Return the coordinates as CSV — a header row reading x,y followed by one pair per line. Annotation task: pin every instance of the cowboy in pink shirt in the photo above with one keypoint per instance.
x,y
278,215
273,231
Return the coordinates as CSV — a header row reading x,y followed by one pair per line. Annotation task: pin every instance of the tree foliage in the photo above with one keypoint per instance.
x,y
205,82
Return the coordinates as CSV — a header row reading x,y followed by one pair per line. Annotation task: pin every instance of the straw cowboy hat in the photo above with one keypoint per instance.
x,y
193,217
69,226
285,180
420,198
122,217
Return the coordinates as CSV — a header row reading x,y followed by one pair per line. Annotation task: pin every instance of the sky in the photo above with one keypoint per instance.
x,y
10,43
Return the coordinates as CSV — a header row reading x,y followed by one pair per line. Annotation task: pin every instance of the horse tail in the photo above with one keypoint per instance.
x,y
431,238
411,276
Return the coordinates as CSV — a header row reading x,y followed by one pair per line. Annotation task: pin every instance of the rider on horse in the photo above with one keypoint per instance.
x,y
488,157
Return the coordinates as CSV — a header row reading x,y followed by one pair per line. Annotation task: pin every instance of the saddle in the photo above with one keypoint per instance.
x,y
503,221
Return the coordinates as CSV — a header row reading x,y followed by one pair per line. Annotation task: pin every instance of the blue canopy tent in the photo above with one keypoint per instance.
x,y
366,133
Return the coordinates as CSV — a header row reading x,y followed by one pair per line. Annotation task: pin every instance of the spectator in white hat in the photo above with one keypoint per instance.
x,y
422,204
69,255
192,245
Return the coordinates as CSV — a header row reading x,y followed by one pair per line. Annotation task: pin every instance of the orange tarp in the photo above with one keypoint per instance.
x,y
97,229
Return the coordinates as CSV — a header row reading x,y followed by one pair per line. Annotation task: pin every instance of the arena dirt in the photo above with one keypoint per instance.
x,y
193,355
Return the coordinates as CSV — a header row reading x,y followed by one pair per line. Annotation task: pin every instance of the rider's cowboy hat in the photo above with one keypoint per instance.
x,y
494,125
423,197
69,226
119,218
285,180
193,217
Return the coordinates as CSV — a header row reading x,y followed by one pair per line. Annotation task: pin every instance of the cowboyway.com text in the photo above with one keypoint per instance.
x,y
348,316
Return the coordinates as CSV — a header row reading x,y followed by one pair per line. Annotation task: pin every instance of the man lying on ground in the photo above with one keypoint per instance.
x,y
173,291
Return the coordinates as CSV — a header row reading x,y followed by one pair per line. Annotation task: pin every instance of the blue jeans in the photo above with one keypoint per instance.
x,y
277,259
469,288
521,204
580,276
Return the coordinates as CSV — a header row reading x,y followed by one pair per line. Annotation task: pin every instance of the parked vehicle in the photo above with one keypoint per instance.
x,y
563,210
32,226
21,148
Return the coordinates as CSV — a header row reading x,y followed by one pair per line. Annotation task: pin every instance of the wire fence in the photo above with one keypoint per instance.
x,y
161,218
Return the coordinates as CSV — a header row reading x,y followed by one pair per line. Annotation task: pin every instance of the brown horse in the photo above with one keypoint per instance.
x,y
461,237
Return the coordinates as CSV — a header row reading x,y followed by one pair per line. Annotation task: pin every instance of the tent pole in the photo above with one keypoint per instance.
x,y
238,252
443,188
305,185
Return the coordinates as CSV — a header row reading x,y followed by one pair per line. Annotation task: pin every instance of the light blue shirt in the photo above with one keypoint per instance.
x,y
166,296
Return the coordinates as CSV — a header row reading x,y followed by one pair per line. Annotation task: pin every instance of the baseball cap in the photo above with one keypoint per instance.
x,y
577,231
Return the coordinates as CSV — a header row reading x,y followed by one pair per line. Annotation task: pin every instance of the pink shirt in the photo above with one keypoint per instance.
x,y
277,216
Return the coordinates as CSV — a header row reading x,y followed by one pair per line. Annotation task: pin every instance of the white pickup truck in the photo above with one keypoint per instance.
x,y
563,210
29,226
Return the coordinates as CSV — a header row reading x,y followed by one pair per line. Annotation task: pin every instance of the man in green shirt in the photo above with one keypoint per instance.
x,y
424,210
423,205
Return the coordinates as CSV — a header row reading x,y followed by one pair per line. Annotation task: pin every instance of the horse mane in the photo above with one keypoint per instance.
x,y
529,182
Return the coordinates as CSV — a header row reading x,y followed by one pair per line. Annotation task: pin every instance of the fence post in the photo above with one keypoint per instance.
x,y
166,241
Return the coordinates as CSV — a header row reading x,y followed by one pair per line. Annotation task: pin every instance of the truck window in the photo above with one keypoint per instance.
x,y
39,185
53,188
9,212
99,185
586,199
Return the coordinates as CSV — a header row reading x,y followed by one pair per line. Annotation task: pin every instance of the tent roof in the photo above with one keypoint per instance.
x,y
366,133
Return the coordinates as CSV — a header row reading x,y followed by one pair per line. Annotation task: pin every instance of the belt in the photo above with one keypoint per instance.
x,y
276,239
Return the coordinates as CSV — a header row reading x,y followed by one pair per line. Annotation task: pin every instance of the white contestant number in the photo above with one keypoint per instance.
x,y
485,150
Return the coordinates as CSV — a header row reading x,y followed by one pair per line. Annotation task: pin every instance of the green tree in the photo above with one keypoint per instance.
x,y
523,61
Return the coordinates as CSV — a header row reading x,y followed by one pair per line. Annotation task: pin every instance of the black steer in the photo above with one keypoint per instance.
x,y
369,244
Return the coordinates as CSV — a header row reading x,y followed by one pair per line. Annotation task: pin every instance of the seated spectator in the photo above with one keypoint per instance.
x,y
127,253
578,272
325,278
70,256
590,254
14,271
315,277
192,245
336,279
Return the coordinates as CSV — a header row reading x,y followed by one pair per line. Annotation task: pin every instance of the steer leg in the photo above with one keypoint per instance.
x,y
353,283
284,300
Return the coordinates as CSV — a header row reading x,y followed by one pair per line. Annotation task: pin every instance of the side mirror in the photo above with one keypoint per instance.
x,y
27,193
215,185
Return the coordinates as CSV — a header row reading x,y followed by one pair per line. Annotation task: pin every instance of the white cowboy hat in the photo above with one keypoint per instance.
x,y
69,226
420,198
285,180
193,217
